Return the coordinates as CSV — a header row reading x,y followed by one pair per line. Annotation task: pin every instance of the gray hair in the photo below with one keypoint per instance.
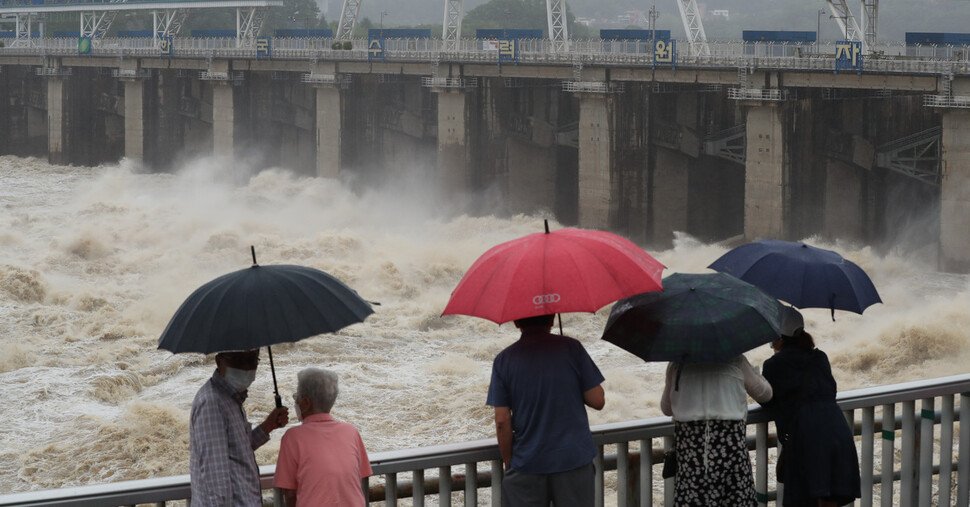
x,y
320,386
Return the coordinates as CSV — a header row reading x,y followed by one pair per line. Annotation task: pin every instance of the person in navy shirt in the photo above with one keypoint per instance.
x,y
540,388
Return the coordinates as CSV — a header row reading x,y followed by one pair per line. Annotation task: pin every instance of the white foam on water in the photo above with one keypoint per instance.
x,y
94,261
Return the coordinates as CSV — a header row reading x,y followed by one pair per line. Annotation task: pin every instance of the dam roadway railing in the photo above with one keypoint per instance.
x,y
891,58
907,435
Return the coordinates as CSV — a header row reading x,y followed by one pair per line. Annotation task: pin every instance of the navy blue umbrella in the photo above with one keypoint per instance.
x,y
262,306
697,317
802,275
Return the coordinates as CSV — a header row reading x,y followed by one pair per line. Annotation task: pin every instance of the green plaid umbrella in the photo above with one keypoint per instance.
x,y
697,317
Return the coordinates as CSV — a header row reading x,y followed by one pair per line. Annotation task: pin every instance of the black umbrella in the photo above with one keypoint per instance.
x,y
262,306
697,317
802,275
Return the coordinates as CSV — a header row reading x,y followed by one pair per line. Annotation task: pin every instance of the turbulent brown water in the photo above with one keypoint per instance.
x,y
94,261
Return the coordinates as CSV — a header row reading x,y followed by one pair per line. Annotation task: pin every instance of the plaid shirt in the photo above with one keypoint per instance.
x,y
223,465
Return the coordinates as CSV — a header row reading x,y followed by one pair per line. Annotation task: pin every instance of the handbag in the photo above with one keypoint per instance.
x,y
670,464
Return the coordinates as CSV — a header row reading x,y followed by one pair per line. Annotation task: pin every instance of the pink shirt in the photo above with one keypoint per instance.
x,y
324,460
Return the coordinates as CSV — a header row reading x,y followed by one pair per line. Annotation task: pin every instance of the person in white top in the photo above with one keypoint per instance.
x,y
709,404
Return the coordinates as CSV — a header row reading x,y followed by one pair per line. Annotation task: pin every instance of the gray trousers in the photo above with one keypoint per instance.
x,y
572,488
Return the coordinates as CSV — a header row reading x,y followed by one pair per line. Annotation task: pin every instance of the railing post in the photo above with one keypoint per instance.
x,y
646,473
888,455
963,467
444,485
761,463
390,490
417,488
927,421
907,488
622,473
364,485
598,485
868,450
498,473
668,483
946,449
471,484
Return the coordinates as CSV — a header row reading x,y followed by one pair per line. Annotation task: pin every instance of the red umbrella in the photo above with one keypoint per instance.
x,y
567,270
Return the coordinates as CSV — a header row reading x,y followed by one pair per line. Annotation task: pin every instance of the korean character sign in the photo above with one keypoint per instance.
x,y
264,48
665,52
508,50
166,47
375,48
848,55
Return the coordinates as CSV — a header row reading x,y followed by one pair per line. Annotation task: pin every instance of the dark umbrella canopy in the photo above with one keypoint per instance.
x,y
697,317
261,306
802,275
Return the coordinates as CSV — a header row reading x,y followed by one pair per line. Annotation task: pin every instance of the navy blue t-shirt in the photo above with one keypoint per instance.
x,y
542,378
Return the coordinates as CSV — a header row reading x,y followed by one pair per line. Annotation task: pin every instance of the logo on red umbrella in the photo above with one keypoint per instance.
x,y
543,299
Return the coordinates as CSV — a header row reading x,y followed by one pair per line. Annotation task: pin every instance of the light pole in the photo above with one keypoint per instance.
x,y
818,29
653,26
383,13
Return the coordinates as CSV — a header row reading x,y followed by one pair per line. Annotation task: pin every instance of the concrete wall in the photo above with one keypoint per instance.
x,y
671,185
596,184
955,199
844,205
223,120
58,122
765,168
532,177
453,174
135,119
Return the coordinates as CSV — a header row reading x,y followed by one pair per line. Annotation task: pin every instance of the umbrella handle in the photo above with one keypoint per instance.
x,y
276,390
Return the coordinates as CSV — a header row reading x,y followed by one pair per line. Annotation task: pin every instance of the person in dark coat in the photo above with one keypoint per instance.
x,y
821,464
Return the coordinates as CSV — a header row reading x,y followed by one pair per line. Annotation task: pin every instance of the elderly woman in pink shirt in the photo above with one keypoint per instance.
x,y
322,461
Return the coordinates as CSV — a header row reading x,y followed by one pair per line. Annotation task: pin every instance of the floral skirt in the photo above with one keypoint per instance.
x,y
713,467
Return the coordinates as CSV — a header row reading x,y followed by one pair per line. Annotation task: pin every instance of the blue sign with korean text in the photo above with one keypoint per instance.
x,y
375,48
665,52
508,50
264,50
166,47
848,55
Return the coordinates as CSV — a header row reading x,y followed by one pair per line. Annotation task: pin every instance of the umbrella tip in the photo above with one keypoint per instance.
x,y
546,221
253,250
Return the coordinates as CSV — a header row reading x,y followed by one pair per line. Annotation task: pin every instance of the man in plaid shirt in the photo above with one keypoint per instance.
x,y
222,442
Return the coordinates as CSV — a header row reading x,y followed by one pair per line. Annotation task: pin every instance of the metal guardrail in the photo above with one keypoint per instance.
x,y
924,476
893,58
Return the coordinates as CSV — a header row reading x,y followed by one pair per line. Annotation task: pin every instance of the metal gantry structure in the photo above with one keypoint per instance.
x,y
558,29
451,27
348,20
696,38
850,28
168,16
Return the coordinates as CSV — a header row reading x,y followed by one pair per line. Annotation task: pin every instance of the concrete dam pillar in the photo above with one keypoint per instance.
x,y
765,173
58,126
596,195
955,192
453,170
223,119
329,121
135,119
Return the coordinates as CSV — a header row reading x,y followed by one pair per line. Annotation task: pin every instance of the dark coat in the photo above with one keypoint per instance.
x,y
821,453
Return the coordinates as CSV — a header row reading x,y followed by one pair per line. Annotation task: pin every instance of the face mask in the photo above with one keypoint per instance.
x,y
240,379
